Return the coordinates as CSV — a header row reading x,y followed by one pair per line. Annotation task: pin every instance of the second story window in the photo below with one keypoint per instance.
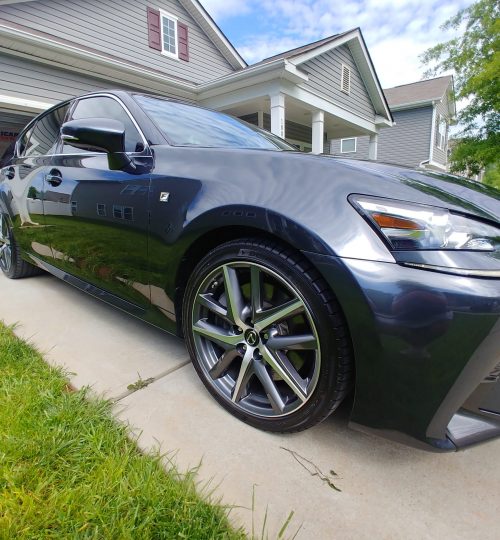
x,y
442,132
169,34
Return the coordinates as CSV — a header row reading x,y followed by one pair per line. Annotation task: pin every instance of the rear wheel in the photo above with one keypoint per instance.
x,y
11,263
266,335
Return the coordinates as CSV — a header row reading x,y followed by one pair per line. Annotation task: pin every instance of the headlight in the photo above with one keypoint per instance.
x,y
412,226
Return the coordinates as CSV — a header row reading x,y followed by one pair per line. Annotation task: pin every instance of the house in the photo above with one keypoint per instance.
x,y
52,50
422,112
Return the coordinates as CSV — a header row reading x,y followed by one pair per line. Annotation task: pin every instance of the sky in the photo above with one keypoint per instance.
x,y
396,32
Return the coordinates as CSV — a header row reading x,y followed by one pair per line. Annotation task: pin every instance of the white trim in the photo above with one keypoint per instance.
x,y
433,132
28,105
355,139
201,16
166,15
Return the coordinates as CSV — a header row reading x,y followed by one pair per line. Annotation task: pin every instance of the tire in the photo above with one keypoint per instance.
x,y
12,264
272,347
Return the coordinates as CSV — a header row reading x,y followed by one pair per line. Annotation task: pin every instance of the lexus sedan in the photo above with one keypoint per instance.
x,y
296,280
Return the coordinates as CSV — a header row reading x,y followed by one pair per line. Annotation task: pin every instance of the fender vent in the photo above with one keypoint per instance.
x,y
494,376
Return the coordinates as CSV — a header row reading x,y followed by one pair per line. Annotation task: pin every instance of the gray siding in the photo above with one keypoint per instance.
x,y
324,78
406,143
361,148
120,28
44,83
441,155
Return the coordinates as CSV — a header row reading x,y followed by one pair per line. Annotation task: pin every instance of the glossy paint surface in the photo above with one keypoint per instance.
x,y
133,236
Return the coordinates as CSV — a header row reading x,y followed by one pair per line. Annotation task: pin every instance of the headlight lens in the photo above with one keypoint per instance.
x,y
412,226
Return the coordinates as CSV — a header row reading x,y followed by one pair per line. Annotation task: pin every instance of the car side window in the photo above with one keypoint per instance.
x,y
106,107
42,138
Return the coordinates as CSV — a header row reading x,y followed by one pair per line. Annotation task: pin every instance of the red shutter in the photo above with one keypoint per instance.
x,y
182,38
154,29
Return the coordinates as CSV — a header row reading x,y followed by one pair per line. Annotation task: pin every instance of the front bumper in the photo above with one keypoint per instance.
x,y
427,351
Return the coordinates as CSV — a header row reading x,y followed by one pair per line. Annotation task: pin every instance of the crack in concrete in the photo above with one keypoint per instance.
x,y
134,387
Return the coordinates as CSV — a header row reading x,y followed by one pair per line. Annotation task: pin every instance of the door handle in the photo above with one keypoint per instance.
x,y
10,173
54,178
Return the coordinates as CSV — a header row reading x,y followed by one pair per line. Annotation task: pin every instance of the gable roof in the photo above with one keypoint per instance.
x,y
205,21
300,50
357,46
418,93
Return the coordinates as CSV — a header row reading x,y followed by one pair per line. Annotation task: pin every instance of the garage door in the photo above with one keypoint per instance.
x,y
11,123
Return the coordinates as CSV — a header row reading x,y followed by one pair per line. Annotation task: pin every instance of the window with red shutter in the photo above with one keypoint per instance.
x,y
154,29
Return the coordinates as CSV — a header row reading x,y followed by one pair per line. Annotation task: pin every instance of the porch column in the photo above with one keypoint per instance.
x,y
278,115
260,119
318,131
373,146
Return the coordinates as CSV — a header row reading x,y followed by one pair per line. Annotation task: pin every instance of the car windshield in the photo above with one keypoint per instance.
x,y
187,125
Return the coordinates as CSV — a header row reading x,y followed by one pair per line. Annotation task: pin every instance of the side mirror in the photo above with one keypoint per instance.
x,y
98,135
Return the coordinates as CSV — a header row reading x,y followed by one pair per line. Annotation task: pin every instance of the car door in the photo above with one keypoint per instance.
x,y
98,228
26,174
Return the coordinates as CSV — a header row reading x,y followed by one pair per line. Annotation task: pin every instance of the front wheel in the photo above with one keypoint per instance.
x,y
266,335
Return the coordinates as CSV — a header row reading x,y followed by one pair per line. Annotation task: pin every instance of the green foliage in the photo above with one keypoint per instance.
x,y
68,470
492,176
474,57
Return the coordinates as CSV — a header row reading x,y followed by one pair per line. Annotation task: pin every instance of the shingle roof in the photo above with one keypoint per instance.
x,y
300,50
417,92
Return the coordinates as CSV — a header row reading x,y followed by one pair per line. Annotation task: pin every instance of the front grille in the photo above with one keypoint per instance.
x,y
494,376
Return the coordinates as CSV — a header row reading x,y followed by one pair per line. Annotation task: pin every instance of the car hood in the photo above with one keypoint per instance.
x,y
440,189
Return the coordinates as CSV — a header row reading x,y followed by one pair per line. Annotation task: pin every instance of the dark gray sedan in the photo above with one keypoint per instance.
x,y
296,280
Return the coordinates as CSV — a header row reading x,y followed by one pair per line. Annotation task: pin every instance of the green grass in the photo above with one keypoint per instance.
x,y
68,470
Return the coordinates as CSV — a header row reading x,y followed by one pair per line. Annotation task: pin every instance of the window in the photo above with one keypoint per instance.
x,y
42,138
442,132
123,212
345,79
107,107
169,34
74,206
188,125
348,145
101,209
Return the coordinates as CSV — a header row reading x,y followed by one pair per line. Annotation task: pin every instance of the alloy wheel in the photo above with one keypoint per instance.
x,y
255,339
5,246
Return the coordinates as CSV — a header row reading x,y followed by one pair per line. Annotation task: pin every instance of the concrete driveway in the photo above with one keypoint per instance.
x,y
387,490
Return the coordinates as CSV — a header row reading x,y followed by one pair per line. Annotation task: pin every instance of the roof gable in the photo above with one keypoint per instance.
x,y
357,46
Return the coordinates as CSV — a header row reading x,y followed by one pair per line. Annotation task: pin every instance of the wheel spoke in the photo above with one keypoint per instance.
x,y
235,304
216,334
207,300
223,363
284,368
256,291
277,314
293,343
244,376
270,388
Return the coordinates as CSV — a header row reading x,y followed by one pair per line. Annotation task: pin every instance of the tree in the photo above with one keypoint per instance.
x,y
474,56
